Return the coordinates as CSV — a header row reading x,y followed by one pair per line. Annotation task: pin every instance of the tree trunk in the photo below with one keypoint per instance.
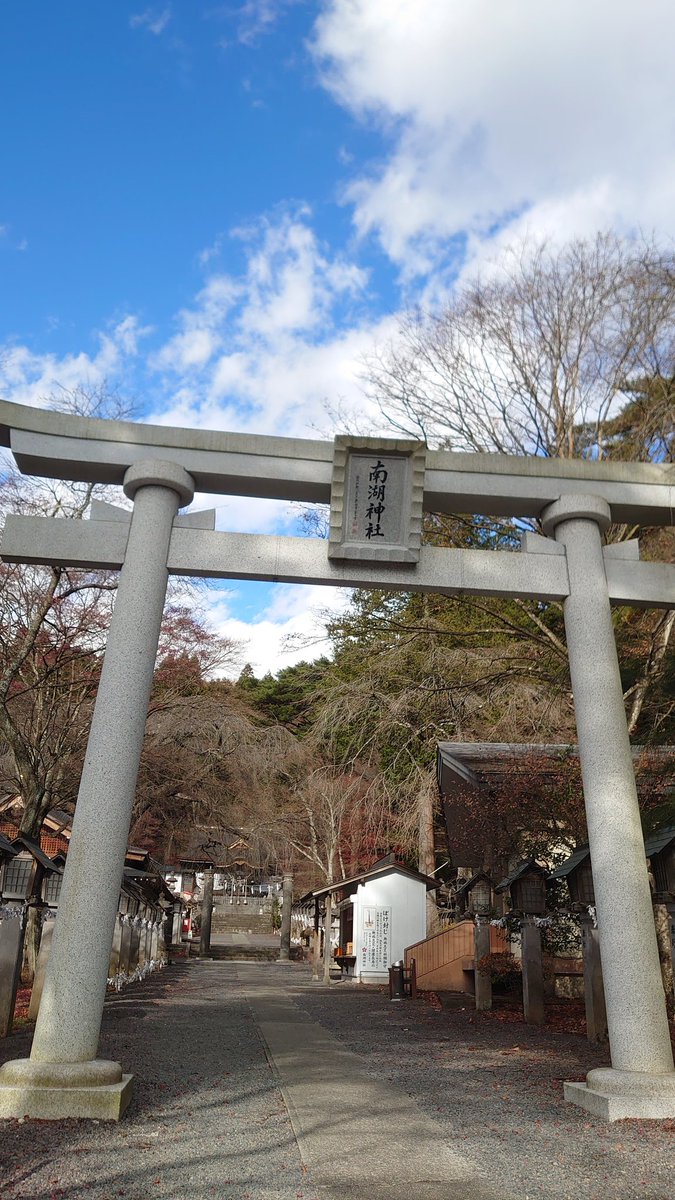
x,y
426,850
665,945
653,666
327,949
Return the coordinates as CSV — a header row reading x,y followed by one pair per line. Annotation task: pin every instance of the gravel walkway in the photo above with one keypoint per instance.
x,y
495,1089
208,1118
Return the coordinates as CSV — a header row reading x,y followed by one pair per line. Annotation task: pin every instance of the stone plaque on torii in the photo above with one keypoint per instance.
x,y
378,489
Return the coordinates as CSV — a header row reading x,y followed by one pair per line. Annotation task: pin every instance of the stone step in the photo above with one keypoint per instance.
x,y
243,927
253,953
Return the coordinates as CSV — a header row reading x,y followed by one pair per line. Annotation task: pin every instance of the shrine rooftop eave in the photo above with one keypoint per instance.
x,y
470,764
63,446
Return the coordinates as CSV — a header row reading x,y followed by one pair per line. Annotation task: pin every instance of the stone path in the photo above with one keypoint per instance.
x,y
360,1137
252,1082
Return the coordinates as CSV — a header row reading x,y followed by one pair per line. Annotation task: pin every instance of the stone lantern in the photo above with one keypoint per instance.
x,y
578,875
527,888
51,883
660,850
479,895
25,867
17,876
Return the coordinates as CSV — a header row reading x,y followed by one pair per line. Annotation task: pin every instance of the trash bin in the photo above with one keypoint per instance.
x,y
396,981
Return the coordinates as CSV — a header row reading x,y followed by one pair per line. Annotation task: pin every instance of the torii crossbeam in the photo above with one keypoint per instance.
x,y
377,490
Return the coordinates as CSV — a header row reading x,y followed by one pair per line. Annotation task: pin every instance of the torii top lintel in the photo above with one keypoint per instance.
x,y
63,446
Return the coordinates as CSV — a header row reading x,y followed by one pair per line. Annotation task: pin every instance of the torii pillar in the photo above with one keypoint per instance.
x,y
641,1080
63,1077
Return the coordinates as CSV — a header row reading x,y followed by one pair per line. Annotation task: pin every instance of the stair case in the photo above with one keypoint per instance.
x,y
445,961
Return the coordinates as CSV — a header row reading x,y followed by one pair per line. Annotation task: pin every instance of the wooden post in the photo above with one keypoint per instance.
x,y
316,939
207,912
327,949
482,976
533,972
286,905
594,991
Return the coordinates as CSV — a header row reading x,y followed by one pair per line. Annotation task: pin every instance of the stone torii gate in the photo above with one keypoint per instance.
x,y
377,490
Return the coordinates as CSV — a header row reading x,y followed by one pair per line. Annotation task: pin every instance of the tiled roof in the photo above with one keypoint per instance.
x,y
50,843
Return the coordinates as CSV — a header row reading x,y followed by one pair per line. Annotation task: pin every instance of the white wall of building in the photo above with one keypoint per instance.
x,y
396,907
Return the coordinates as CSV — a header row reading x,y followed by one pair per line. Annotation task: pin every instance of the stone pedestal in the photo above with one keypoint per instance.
x,y
125,947
52,1091
154,941
641,1081
62,1077
114,963
135,944
142,953
11,950
176,925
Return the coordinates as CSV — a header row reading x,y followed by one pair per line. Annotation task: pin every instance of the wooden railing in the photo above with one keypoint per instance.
x,y
446,960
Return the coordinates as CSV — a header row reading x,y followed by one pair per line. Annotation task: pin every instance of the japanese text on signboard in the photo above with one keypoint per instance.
x,y
376,935
376,498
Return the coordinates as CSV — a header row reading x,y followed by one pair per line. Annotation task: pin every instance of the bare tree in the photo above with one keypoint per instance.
x,y
536,356
208,761
554,352
315,824
53,624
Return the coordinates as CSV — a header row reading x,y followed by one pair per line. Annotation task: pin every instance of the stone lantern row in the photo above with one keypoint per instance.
x,y
30,879
526,889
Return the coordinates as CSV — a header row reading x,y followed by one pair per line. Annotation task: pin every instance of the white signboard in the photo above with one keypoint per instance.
x,y
375,938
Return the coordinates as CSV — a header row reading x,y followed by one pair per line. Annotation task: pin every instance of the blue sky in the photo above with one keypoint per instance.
x,y
219,208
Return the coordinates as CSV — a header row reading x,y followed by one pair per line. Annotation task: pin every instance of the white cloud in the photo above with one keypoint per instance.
x,y
248,514
155,21
289,631
263,351
31,378
492,109
252,19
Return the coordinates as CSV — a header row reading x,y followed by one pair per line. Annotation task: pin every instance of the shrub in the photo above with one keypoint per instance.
x,y
504,971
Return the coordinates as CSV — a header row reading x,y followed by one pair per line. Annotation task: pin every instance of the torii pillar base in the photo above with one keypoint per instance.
x,y
97,1090
618,1095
